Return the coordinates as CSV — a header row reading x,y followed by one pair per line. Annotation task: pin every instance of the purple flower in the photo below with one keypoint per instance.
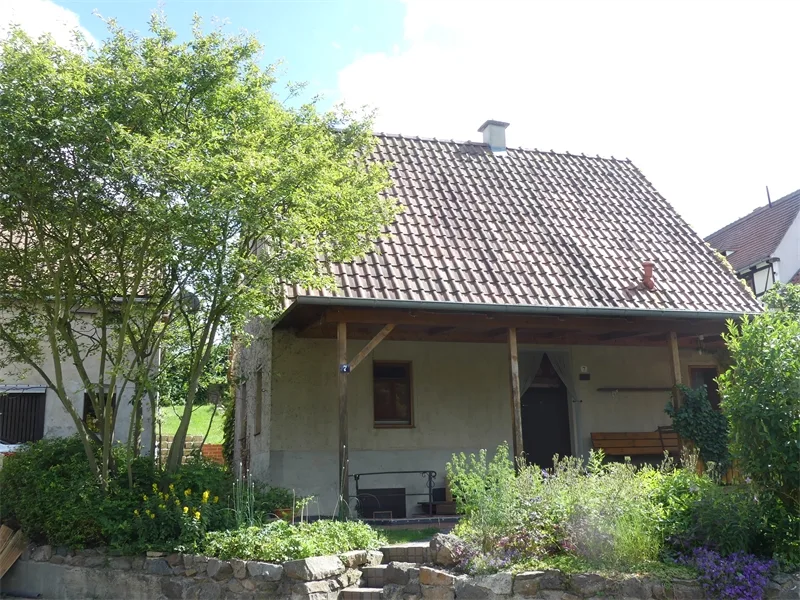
x,y
738,576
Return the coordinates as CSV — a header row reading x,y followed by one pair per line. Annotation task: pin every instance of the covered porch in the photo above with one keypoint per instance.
x,y
544,383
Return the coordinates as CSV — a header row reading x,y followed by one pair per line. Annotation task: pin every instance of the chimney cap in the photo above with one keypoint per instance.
x,y
492,122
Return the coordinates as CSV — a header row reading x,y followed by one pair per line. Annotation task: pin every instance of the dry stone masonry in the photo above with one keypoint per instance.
x,y
358,575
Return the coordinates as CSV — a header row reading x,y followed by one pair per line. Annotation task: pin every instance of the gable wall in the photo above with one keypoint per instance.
x,y
788,251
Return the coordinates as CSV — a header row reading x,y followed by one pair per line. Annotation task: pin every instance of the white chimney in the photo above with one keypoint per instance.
x,y
494,134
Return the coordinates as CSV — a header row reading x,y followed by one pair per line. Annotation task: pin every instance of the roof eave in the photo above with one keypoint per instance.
x,y
510,308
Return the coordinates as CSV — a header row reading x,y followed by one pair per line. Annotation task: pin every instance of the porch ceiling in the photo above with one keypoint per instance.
x,y
484,327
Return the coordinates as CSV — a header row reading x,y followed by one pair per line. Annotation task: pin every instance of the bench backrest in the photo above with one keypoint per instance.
x,y
635,443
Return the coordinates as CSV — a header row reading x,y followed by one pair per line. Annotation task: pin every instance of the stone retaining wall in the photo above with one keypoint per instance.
x,y
406,581
62,575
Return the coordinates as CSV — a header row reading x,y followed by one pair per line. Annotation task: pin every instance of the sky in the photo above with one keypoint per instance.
x,y
703,96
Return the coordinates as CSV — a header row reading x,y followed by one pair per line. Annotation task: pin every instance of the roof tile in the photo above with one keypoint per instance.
x,y
532,228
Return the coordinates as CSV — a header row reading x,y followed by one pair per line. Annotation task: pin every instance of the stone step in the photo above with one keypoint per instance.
x,y
361,594
374,576
413,552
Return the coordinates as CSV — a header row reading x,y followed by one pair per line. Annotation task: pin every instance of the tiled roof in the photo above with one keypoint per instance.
x,y
532,228
755,237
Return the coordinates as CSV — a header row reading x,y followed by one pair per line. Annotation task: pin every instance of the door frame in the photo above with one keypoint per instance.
x,y
574,404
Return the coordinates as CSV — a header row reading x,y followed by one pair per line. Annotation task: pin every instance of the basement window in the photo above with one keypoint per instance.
x,y
392,403
21,417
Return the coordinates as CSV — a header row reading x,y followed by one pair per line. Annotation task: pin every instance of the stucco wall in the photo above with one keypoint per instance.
x,y
254,354
461,403
57,421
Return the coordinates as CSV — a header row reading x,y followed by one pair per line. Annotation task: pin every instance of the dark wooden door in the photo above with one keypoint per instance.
x,y
545,424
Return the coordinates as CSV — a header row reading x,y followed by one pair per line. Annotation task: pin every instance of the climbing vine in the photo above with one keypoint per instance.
x,y
696,421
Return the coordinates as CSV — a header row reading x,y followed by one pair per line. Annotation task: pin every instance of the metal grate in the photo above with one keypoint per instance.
x,y
21,417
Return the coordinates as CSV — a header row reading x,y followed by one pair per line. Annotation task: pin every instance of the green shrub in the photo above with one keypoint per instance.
x,y
761,395
706,428
176,519
486,493
279,541
48,489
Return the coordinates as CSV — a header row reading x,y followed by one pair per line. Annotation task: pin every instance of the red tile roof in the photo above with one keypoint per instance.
x,y
532,229
755,237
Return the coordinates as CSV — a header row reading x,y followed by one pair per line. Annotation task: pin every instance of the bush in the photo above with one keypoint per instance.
x,y
279,541
48,489
761,398
612,515
761,395
705,427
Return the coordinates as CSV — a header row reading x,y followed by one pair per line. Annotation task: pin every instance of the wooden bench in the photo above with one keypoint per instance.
x,y
636,443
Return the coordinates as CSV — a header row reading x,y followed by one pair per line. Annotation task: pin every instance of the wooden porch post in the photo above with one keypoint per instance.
x,y
342,368
675,363
516,401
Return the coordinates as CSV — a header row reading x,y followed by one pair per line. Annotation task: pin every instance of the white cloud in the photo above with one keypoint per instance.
x,y
701,96
38,17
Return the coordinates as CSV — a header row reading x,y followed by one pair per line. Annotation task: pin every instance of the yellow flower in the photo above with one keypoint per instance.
x,y
185,509
144,497
136,512
205,496
155,488
152,515
188,492
216,499
197,516
177,502
161,506
171,487
148,513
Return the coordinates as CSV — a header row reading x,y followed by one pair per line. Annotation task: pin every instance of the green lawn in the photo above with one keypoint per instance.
x,y
198,425
404,536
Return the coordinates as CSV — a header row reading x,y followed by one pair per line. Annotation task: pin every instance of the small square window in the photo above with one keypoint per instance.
x,y
89,416
392,403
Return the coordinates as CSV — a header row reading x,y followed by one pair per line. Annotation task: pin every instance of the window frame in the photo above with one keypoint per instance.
x,y
88,408
693,368
410,378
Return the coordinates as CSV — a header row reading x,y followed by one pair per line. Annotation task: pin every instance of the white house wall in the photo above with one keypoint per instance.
x,y
460,403
57,421
788,251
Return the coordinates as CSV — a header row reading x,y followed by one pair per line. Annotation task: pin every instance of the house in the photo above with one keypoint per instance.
x,y
764,246
524,296
31,410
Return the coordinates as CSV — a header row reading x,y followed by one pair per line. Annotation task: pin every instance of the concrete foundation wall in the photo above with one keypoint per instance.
x,y
461,403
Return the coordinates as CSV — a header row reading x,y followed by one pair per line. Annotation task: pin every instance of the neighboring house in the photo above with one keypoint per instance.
x,y
30,410
764,246
521,296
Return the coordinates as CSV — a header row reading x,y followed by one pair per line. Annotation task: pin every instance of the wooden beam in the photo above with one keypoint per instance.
x,y
478,320
370,346
344,471
675,364
516,399
439,330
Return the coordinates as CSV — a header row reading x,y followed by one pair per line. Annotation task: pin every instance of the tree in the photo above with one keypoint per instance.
x,y
163,183
761,395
